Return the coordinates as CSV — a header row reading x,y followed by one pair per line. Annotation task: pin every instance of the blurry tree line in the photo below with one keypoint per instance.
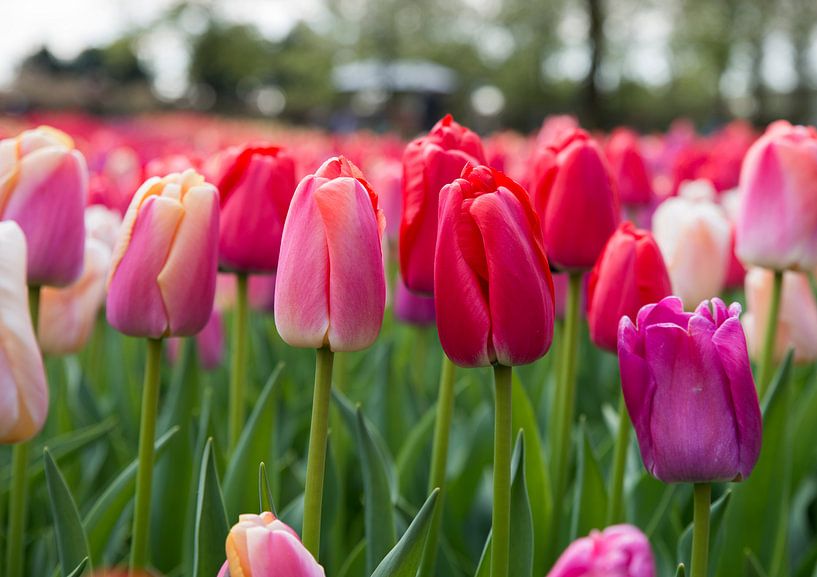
x,y
640,62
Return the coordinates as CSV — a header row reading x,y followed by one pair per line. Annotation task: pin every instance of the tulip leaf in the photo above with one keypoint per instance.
x,y
590,497
484,565
716,514
413,447
354,563
536,474
211,527
404,559
265,499
681,571
72,543
378,508
79,568
254,445
103,516
780,379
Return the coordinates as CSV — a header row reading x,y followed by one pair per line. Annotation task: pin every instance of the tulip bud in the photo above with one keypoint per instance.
x,y
430,163
67,315
412,308
797,319
103,224
44,187
23,387
576,199
778,184
256,188
331,288
628,168
163,274
493,291
618,551
262,292
629,274
688,386
263,546
693,234
209,344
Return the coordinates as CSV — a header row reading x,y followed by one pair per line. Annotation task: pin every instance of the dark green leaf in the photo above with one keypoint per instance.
x,y
590,497
681,571
72,544
211,527
265,500
404,559
521,552
79,568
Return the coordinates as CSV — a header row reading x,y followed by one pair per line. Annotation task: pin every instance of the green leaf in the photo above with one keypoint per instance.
x,y
590,497
404,559
79,568
72,544
103,516
536,474
779,380
681,571
414,445
211,527
716,513
521,560
355,562
265,500
378,507
484,565
254,445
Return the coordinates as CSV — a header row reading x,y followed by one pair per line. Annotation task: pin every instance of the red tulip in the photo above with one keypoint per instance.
x,y
628,166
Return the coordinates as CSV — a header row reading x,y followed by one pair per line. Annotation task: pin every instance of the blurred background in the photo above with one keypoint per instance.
x,y
400,64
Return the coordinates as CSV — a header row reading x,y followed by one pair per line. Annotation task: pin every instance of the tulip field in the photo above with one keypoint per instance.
x,y
230,348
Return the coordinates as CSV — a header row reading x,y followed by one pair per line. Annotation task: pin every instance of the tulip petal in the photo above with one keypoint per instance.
x,y
280,554
637,386
355,264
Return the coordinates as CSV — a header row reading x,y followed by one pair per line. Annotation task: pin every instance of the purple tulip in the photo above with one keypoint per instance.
x,y
689,390
618,551
412,308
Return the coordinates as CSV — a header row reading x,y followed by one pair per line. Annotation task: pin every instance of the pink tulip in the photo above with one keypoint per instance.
x,y
777,221
263,546
23,388
797,319
44,187
628,167
262,292
163,274
330,288
618,551
68,315
103,224
412,308
693,234
209,344
493,292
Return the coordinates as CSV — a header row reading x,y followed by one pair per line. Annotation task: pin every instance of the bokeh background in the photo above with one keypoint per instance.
x,y
399,65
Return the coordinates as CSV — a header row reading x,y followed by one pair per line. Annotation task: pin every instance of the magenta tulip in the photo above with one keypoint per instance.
x,y
412,308
618,551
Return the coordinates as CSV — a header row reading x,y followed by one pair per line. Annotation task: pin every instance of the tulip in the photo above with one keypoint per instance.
x,y
67,315
796,323
43,187
412,308
688,386
330,289
493,290
430,163
693,234
263,546
256,189
262,292
778,210
103,224
629,274
618,551
576,199
163,275
629,169
209,344
23,388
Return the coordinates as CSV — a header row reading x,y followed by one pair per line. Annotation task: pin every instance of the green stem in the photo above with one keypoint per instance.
x,y
439,462
700,530
615,513
316,460
238,363
17,510
144,472
770,338
565,399
501,528
18,494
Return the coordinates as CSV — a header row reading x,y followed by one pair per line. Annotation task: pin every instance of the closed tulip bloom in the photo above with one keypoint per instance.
x,y
797,319
23,389
689,390
163,274
103,224
44,187
412,308
263,546
777,219
68,315
256,189
628,167
430,163
629,274
618,551
209,344
262,292
576,199
330,289
694,236
493,291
